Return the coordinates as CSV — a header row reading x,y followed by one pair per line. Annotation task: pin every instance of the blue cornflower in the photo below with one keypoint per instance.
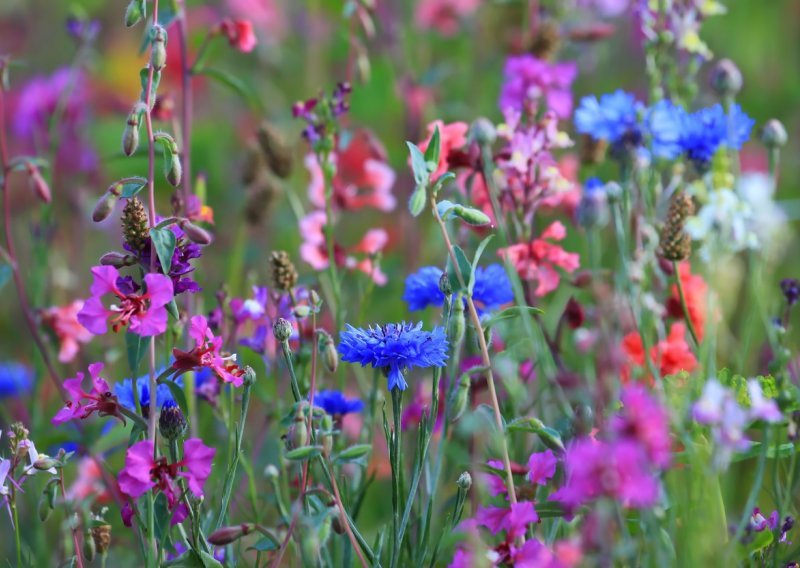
x,y
15,379
613,118
395,348
124,392
334,403
492,288
706,130
665,123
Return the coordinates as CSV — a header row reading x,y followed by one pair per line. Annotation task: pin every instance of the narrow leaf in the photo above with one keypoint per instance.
x,y
132,187
177,393
164,240
433,151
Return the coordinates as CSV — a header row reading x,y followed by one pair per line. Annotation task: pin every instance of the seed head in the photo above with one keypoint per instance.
x,y
284,274
277,152
135,224
676,244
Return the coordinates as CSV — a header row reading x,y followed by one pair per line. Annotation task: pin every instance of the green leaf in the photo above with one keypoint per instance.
x,y
135,345
133,186
162,516
353,453
418,165
476,259
508,314
468,214
209,561
416,203
164,240
464,266
264,545
5,274
525,424
172,308
304,453
233,83
177,393
433,151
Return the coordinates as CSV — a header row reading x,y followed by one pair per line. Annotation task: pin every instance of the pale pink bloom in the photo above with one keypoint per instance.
x,y
538,260
443,15
89,482
64,322
314,249
452,137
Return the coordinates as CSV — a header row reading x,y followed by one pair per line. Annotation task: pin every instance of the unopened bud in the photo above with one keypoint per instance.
x,y
130,136
228,535
104,207
171,422
773,134
336,521
174,170
249,376
328,352
464,481
118,259
44,463
459,399
51,492
301,311
444,284
38,185
593,207
327,437
158,52
458,323
89,548
194,233
271,472
725,78
314,298
573,314
483,131
134,13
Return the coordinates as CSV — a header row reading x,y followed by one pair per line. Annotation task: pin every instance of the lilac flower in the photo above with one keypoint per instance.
x,y
644,419
492,288
336,404
758,523
791,290
541,467
395,348
762,408
528,81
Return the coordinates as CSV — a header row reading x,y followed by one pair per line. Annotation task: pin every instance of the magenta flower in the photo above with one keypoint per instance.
x,y
514,520
142,473
207,354
645,420
619,470
99,399
530,81
541,467
145,311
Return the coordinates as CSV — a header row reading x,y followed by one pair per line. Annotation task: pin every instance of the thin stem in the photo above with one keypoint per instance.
x,y
684,306
343,513
287,356
396,451
75,540
15,515
487,362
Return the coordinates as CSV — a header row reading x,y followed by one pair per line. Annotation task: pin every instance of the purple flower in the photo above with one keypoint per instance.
x,y
513,520
180,268
645,420
541,467
758,523
529,80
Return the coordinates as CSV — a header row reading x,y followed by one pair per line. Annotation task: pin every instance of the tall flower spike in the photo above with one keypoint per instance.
x,y
135,224
395,348
675,243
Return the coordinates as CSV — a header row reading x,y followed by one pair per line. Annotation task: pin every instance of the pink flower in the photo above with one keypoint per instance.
x,y
529,80
145,311
452,137
266,15
89,482
644,419
239,34
99,399
206,353
541,467
538,260
514,520
443,15
314,249
142,473
363,178
64,322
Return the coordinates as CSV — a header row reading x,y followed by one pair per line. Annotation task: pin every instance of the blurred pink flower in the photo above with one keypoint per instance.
x,y
538,259
64,322
89,483
314,249
541,467
239,34
643,418
99,399
452,137
145,311
206,354
363,178
266,15
443,15
514,520
529,80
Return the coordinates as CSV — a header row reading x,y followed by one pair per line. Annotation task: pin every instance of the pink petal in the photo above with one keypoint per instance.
x,y
197,458
93,316
316,186
556,231
134,480
159,289
105,280
152,322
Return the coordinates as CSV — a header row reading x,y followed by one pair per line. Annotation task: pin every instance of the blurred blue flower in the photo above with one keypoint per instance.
x,y
706,130
613,118
665,123
394,347
492,288
15,379
334,403
124,392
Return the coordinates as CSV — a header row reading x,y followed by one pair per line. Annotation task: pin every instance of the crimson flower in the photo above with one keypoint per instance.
x,y
206,354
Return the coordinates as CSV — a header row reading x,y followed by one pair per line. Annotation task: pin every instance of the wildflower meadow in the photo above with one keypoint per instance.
x,y
399,283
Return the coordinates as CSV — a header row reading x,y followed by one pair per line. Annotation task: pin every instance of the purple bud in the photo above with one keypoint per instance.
x,y
117,259
228,535
38,185
104,207
194,233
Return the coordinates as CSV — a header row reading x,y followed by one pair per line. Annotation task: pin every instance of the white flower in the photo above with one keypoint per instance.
x,y
5,466
724,225
33,456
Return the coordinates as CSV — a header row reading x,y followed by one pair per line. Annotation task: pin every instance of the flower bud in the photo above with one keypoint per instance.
x,y
336,521
171,422
773,134
228,535
38,185
104,207
459,399
89,548
44,463
271,472
325,434
51,492
118,259
444,284
194,233
282,329
464,481
301,312
483,131
328,352
458,323
158,51
314,298
174,170
134,13
593,207
130,136
725,78
573,314
249,376
297,435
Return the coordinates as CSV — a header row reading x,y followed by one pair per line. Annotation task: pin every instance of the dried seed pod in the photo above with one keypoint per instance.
x,y
135,224
277,153
284,274
675,243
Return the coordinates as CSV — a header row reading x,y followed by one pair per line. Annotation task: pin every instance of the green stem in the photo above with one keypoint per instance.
x,y
684,306
287,356
396,451
755,489
15,514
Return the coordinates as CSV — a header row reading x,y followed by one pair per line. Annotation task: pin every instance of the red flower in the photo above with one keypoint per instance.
x,y
670,356
452,137
207,353
239,34
695,290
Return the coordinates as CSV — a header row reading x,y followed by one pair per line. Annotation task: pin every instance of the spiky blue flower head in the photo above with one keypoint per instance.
x,y
395,348
613,118
665,124
492,288
124,392
335,403
15,379
706,130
